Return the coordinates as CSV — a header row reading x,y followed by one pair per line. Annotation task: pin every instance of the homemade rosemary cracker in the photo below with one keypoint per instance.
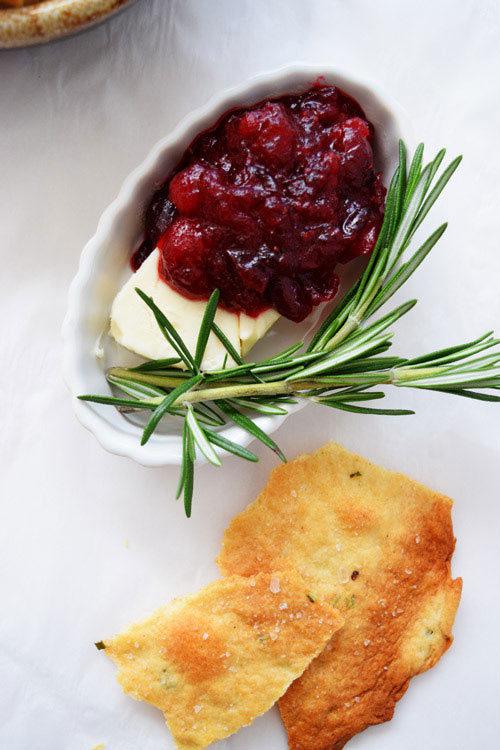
x,y
374,544
214,660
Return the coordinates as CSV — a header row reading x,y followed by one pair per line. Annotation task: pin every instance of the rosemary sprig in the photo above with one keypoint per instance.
x,y
341,367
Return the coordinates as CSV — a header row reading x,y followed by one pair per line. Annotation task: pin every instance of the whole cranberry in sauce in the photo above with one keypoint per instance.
x,y
267,203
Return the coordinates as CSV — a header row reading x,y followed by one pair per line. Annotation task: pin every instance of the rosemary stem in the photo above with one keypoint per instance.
x,y
275,388
163,381
401,374
353,321
349,326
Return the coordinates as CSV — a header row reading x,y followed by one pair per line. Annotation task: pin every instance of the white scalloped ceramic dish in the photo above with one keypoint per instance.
x,y
88,350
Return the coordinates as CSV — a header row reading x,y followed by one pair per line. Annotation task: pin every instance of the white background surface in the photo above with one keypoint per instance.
x,y
76,116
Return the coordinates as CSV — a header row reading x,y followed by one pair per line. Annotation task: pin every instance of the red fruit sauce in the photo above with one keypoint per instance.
x,y
266,203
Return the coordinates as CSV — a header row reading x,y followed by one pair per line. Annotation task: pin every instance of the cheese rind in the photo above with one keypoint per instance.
x,y
133,325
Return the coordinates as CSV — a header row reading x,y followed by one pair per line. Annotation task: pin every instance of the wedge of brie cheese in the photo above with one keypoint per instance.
x,y
133,325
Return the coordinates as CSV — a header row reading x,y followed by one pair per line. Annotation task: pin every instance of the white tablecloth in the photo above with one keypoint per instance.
x,y
89,540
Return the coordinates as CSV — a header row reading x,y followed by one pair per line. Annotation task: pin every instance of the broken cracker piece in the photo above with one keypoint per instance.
x,y
373,543
215,660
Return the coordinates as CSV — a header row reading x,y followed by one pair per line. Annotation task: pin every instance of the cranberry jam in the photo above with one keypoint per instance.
x,y
265,204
